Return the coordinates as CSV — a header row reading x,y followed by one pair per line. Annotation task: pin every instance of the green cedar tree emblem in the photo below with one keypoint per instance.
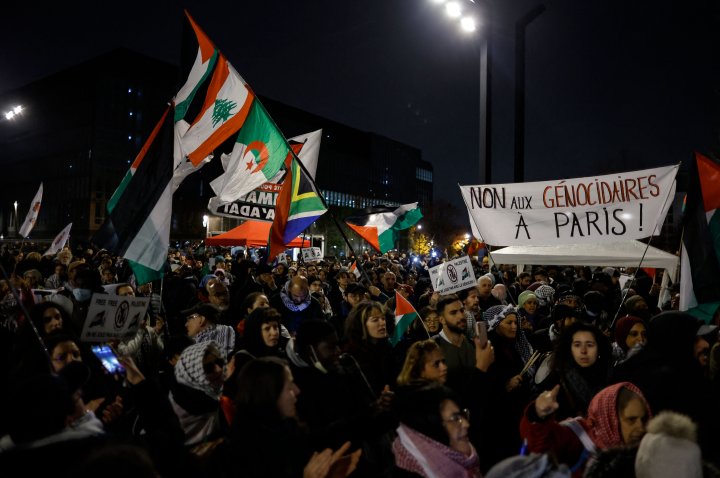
x,y
222,111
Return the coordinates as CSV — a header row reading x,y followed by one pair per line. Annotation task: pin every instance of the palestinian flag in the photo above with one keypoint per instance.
x,y
699,266
298,206
379,226
355,271
405,313
137,225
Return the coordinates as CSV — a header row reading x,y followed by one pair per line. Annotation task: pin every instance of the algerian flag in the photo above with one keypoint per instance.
x,y
32,214
379,226
405,313
59,242
259,152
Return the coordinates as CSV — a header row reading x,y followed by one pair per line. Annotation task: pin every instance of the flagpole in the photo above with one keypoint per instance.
x,y
627,289
337,224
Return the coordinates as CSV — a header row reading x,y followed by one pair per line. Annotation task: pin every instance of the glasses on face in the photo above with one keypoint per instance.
x,y
460,416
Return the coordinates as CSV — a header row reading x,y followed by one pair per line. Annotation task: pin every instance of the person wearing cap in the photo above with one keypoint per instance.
x,y
669,374
202,325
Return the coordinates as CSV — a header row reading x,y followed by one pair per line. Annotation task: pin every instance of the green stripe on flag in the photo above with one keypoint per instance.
x,y
182,107
143,274
402,323
386,240
119,191
408,219
264,139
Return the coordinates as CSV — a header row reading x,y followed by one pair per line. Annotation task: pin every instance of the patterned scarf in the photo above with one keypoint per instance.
x,y
222,335
602,422
287,299
189,370
419,454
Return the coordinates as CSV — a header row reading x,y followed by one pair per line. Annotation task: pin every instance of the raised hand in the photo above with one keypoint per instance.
x,y
484,356
547,403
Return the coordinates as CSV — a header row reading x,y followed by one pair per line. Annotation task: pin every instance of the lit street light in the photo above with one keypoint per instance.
x,y
469,25
13,112
206,225
16,218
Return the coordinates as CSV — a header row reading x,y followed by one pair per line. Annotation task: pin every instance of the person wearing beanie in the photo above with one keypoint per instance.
x,y
528,311
669,448
630,336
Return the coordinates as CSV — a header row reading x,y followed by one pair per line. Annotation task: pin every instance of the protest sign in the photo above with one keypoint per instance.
x,y
453,276
599,209
112,317
311,254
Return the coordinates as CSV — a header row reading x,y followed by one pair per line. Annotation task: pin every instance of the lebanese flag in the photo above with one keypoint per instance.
x,y
405,313
379,225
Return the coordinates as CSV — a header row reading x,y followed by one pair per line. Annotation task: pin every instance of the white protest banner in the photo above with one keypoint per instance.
x,y
311,254
600,209
112,317
453,276
283,258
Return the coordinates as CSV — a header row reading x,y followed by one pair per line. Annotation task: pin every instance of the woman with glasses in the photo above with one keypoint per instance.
x,y
432,438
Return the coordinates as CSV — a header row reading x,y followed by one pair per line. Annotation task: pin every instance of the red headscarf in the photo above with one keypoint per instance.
x,y
602,423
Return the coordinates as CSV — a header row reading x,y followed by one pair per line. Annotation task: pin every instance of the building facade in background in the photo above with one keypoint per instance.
x,y
80,130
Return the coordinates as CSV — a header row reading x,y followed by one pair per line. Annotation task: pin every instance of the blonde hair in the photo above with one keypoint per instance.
x,y
415,361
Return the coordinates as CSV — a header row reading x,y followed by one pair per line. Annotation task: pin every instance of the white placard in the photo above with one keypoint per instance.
x,y
599,209
112,317
453,276
311,254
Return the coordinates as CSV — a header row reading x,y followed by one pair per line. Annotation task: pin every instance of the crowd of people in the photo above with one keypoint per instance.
x,y
240,368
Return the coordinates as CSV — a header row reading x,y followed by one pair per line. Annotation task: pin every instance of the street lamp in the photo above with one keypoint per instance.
x,y
469,25
16,218
206,225
16,110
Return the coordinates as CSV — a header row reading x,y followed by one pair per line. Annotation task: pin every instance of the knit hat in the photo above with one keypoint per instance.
x,y
669,448
622,329
524,296
545,294
496,314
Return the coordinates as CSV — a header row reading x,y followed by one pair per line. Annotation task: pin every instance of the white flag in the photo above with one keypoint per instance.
x,y
59,242
32,214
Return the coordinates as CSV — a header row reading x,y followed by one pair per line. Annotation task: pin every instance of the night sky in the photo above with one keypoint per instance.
x,y
611,85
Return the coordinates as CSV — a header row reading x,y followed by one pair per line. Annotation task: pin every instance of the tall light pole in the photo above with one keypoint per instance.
x,y
16,219
469,23
520,28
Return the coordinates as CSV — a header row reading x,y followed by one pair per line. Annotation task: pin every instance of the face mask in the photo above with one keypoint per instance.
x,y
82,295
316,362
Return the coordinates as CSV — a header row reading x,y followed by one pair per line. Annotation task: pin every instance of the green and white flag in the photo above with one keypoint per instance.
x,y
379,226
